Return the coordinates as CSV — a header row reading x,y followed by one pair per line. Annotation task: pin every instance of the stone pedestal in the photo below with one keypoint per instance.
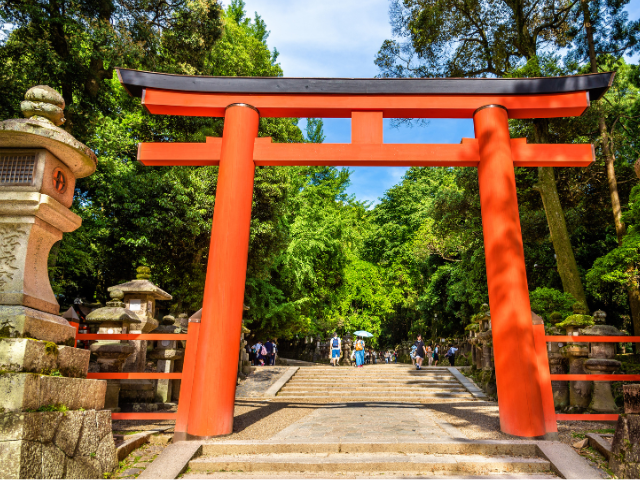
x,y
165,353
557,365
112,354
602,361
579,392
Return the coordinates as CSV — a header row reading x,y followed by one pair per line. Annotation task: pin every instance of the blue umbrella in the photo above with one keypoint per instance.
x,y
362,333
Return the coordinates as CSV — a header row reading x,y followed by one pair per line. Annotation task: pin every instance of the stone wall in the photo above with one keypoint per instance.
x,y
72,444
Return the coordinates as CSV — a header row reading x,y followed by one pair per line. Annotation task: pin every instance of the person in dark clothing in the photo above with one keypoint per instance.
x,y
421,351
269,347
273,352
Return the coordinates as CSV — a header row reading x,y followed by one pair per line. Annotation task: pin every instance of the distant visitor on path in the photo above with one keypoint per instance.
x,y
359,352
420,352
451,355
436,357
336,349
430,355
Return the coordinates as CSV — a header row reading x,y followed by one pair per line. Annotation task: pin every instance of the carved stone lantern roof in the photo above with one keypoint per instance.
x,y
114,311
43,107
142,287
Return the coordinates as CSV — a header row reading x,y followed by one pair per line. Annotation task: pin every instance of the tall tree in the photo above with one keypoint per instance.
x,y
462,38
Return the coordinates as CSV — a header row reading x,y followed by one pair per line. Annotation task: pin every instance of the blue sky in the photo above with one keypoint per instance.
x,y
340,38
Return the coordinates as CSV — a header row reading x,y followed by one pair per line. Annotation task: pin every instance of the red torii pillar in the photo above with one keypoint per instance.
x,y
525,400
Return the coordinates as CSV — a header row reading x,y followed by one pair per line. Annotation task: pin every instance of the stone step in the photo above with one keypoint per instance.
x,y
467,464
377,388
469,447
377,377
377,396
368,383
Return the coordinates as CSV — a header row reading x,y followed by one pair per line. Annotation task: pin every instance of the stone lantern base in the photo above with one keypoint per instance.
x,y
18,321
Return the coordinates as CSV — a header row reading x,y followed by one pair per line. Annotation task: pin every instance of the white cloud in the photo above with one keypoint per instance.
x,y
331,38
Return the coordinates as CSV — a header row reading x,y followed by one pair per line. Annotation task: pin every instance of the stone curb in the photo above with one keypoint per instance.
x,y
600,444
281,382
565,462
466,383
132,443
173,460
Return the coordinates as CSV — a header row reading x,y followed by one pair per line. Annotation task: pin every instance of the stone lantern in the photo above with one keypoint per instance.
x,y
602,361
140,297
39,165
576,353
347,341
165,353
557,365
112,319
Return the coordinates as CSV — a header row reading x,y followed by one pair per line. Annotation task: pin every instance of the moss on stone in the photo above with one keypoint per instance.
x,y
50,348
576,320
474,327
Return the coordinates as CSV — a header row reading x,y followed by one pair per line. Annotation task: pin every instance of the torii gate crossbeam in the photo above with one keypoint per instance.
x,y
524,392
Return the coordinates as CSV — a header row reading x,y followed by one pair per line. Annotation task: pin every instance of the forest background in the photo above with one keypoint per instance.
x,y
320,260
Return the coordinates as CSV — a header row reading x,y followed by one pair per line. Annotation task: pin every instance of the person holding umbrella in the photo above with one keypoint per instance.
x,y
360,346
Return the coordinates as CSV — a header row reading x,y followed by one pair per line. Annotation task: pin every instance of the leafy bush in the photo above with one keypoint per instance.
x,y
545,301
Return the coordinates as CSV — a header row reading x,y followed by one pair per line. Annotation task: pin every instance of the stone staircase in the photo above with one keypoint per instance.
x,y
373,383
365,460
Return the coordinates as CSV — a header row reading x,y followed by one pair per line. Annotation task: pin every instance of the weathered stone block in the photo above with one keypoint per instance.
x,y
19,426
73,362
625,457
26,355
53,461
88,444
20,321
83,467
106,453
631,394
20,459
68,433
28,391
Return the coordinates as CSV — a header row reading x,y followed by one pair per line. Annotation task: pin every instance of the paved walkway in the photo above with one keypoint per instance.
x,y
362,422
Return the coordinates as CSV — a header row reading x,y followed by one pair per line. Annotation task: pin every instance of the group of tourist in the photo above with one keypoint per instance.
x,y
420,352
262,354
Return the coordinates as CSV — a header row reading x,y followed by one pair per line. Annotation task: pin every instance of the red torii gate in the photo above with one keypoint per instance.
x,y
522,372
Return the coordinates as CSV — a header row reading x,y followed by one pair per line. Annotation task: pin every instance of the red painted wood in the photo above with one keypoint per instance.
x,y
366,127
132,336
588,417
134,376
464,154
591,338
168,102
143,416
621,377
215,375
542,360
186,385
519,396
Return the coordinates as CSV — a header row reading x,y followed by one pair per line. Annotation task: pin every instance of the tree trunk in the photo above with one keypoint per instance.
x,y
566,262
632,291
604,134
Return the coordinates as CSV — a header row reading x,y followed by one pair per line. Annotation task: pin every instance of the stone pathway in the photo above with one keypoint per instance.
x,y
379,422
259,382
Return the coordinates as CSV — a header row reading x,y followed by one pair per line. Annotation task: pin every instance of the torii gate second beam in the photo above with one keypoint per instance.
x,y
524,393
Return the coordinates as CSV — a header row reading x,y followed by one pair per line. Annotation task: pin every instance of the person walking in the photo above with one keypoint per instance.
x,y
430,355
268,346
420,352
336,349
274,352
436,357
257,348
359,352
395,356
451,355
